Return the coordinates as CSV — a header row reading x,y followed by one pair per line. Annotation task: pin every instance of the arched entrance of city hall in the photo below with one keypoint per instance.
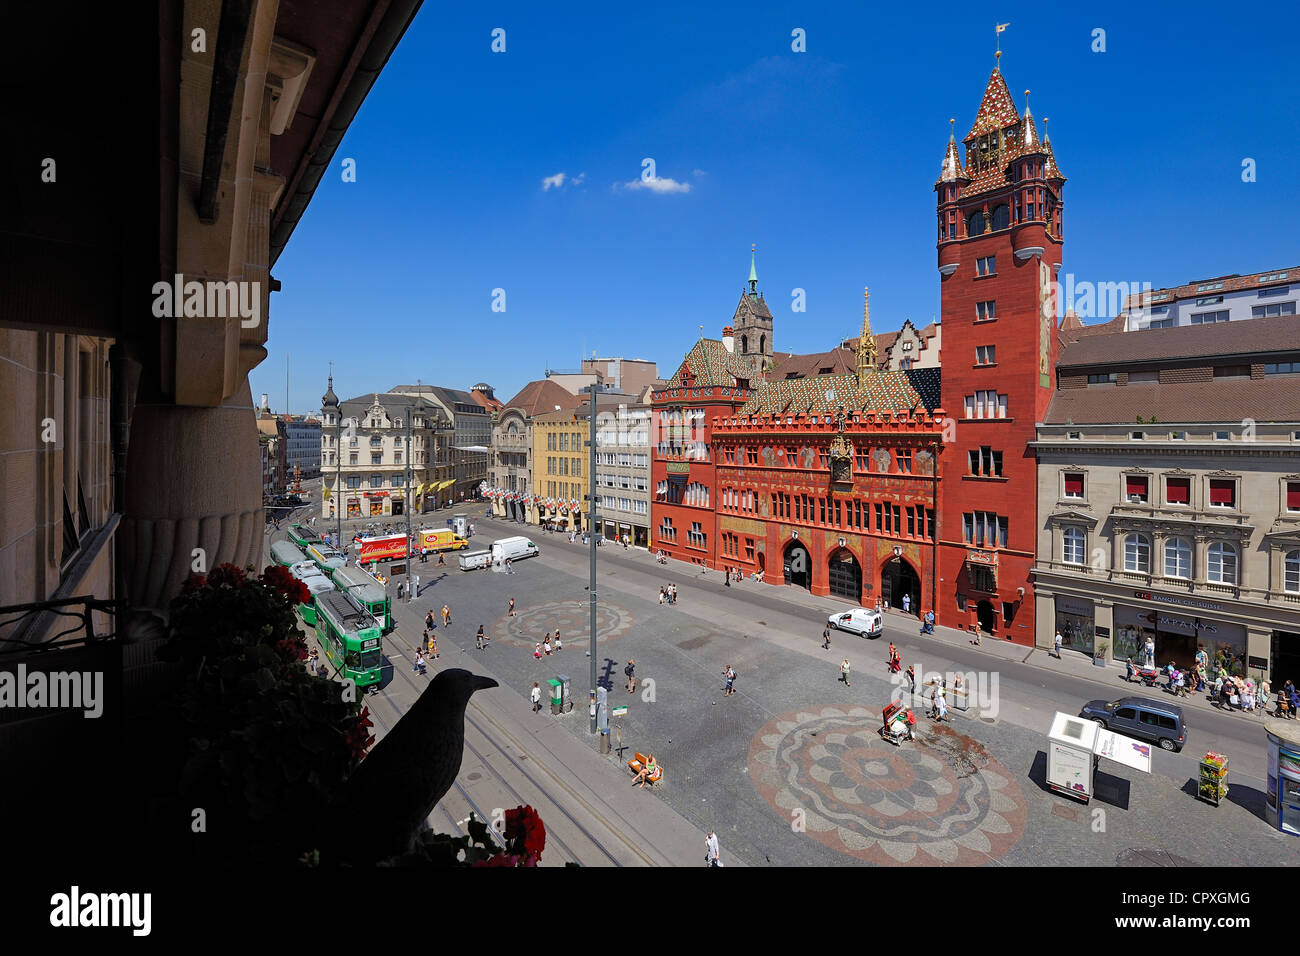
x,y
845,575
899,578
798,566
986,616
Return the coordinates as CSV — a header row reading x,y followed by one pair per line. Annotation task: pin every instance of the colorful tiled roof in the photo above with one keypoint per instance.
x,y
883,391
1029,136
997,109
710,364
1051,171
951,169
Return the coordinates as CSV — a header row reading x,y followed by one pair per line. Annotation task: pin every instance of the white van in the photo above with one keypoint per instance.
x,y
513,548
859,620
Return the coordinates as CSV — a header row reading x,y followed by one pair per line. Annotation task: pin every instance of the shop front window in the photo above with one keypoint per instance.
x,y
1074,622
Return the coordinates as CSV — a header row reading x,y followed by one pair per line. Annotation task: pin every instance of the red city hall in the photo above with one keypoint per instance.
x,y
910,487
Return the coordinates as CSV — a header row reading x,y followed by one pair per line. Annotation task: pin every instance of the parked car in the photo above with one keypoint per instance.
x,y
859,620
1144,718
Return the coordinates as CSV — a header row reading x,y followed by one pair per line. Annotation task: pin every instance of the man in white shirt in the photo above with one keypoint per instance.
x,y
711,851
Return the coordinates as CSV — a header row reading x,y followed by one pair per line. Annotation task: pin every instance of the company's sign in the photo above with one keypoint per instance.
x,y
1181,601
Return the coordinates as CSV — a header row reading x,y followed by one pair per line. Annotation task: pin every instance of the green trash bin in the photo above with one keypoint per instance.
x,y
557,696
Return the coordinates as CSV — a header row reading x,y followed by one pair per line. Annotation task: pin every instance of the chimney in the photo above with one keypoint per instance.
x,y
729,338
265,401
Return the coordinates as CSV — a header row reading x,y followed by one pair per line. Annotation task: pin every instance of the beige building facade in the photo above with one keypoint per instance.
x,y
623,471
1168,513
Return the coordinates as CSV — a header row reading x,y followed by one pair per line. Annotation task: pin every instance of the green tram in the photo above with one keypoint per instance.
x,y
327,559
350,637
368,592
317,583
303,536
287,555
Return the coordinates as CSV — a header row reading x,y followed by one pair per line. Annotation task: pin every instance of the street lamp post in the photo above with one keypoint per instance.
x,y
410,549
338,474
591,538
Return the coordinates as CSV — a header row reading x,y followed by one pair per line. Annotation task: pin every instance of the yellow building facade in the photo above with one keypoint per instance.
x,y
560,472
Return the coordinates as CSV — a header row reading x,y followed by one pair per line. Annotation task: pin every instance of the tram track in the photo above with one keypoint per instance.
x,y
483,752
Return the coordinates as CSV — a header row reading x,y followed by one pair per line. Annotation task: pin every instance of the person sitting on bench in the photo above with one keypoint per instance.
x,y
649,772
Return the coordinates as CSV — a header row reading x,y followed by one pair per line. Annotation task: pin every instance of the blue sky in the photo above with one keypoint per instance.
x,y
825,159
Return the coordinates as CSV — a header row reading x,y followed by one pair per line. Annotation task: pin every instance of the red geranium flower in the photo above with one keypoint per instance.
x,y
358,738
525,832
226,574
195,582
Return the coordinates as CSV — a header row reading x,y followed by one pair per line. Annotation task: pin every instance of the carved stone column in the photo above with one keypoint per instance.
x,y
193,482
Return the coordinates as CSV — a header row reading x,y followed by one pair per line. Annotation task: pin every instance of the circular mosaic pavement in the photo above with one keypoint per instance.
x,y
937,800
531,624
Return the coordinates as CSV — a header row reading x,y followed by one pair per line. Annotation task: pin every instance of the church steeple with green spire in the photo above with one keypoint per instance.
x,y
753,271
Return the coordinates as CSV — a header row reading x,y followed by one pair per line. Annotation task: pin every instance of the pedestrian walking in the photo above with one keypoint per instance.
x,y
417,665
672,591
510,565
428,620
446,615
512,607
537,652
844,672
400,586
481,639
433,647
826,638
442,563
1056,642
712,853
630,671
311,662
536,697
730,675
941,708
907,604
911,679
546,645
1128,670
727,579
662,595
556,642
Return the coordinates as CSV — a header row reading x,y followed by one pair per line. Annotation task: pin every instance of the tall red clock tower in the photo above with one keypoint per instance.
x,y
999,241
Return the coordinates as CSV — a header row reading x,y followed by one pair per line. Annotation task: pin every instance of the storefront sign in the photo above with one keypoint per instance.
x,y
988,558
678,467
1175,599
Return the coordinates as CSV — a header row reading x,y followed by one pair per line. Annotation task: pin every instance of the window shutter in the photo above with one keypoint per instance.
x,y
1074,486
1293,496
1135,485
1222,491
1178,491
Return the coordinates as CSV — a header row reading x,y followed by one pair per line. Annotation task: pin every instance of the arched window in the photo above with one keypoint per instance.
x,y
1072,546
1291,572
1001,217
1178,558
762,344
1137,553
975,225
1221,563
744,345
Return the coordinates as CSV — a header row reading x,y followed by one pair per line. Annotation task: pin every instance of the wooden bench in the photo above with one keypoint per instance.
x,y
638,761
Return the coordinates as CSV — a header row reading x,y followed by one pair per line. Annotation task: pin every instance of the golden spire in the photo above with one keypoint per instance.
x,y
867,341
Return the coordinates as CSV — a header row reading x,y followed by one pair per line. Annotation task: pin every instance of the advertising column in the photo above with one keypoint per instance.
x,y
1283,796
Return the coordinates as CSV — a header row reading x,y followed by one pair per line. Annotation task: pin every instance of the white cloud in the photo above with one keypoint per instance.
x,y
659,184
577,180
557,181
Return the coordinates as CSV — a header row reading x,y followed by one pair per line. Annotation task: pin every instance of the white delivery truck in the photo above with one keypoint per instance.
x,y
1074,747
513,548
474,560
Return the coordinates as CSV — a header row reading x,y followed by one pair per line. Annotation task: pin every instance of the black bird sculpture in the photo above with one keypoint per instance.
x,y
401,780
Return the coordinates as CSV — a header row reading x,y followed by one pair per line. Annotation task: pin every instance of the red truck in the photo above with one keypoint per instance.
x,y
389,547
